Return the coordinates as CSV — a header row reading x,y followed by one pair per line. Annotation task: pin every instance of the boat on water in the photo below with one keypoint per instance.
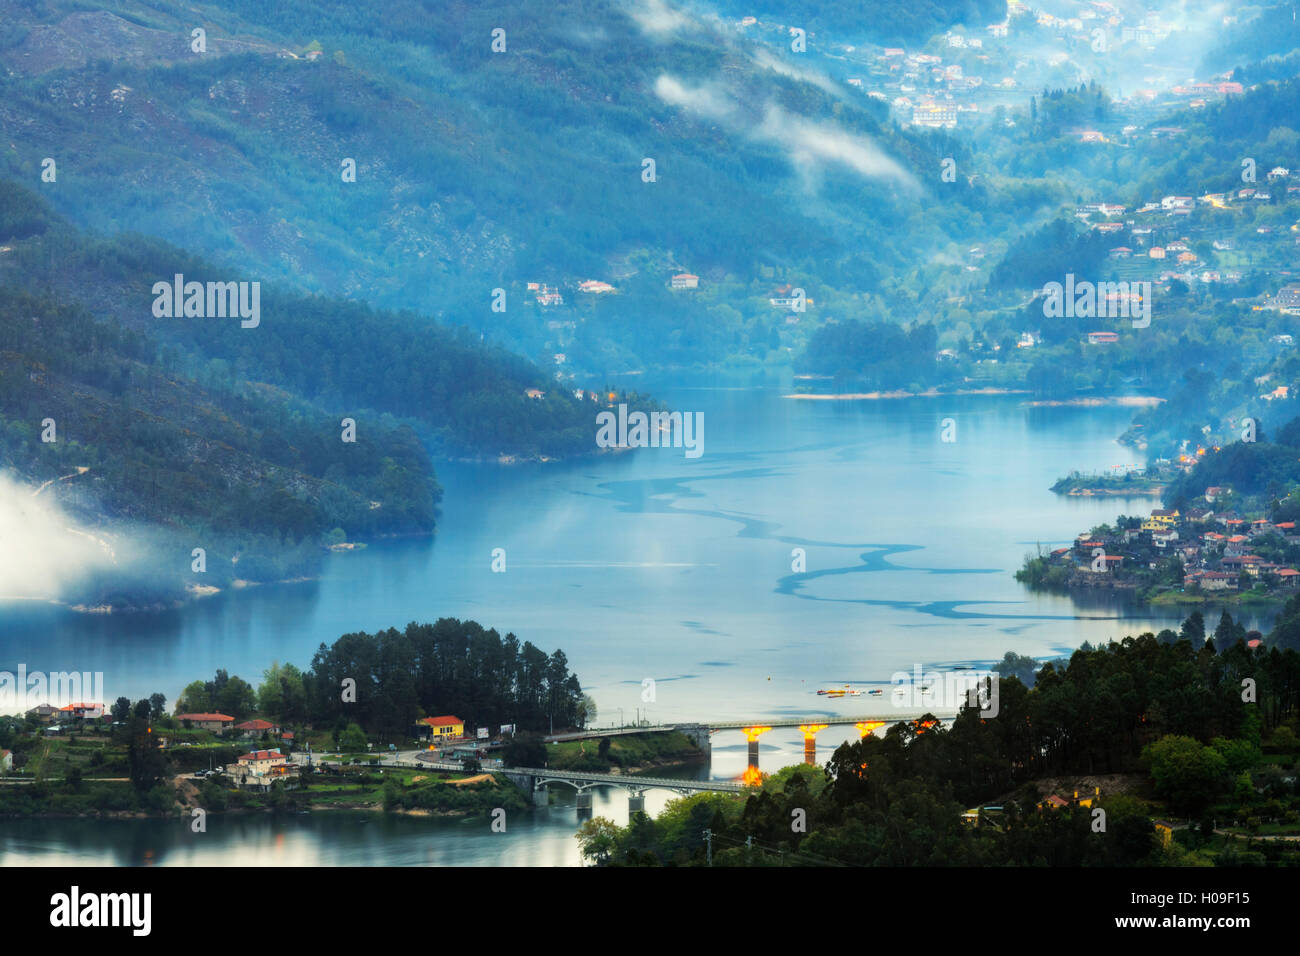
x,y
875,692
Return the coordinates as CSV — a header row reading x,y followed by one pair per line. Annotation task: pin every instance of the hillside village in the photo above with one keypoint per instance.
x,y
1207,552
964,76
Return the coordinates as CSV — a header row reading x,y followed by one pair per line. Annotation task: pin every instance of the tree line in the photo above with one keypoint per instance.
x,y
384,682
1172,705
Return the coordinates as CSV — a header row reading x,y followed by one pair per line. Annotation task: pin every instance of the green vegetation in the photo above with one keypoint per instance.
x,y
1040,574
197,429
1263,475
1169,716
1151,481
449,667
444,797
879,355
389,679
624,750
490,165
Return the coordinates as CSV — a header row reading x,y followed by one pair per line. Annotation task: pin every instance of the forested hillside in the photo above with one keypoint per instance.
x,y
202,433
488,170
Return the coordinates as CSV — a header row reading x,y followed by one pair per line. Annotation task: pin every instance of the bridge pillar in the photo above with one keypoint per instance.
x,y
867,726
810,742
752,734
699,735
584,800
635,802
541,796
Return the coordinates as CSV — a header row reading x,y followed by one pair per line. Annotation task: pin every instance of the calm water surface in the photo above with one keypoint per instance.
x,y
652,565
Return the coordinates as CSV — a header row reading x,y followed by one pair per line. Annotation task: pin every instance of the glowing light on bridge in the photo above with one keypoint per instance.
x,y
752,777
810,742
867,726
752,734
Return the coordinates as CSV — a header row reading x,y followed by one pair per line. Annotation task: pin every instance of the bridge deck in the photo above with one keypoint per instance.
x,y
626,780
832,720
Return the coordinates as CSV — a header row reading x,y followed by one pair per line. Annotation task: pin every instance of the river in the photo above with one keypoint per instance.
x,y
668,583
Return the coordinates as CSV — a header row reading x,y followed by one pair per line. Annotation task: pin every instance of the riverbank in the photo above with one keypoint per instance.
x,y
1216,598
899,393
1120,401
625,753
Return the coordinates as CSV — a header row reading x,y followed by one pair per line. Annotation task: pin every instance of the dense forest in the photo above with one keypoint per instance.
x,y
1262,473
1171,707
449,667
467,397
258,444
875,354
493,171
883,21
247,473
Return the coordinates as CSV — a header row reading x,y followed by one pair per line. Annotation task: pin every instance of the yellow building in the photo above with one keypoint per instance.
x,y
1165,831
1160,519
445,727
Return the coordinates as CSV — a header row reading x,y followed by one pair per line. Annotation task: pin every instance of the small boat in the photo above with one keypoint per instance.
x,y
875,692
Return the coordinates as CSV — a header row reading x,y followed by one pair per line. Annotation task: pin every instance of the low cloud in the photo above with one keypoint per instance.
x,y
42,552
707,100
656,17
769,61
813,143
810,145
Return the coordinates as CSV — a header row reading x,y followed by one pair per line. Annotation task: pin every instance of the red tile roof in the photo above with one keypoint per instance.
x,y
263,755
255,725
446,721
221,717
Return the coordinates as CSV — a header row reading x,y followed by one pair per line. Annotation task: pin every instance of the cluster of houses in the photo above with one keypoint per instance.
x,y
258,769
48,713
224,724
56,719
1212,559
1159,234
932,90
550,295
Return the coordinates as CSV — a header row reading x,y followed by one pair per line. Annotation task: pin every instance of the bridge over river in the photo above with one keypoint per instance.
x,y
535,781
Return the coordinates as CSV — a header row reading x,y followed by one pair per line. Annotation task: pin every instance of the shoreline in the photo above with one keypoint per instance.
x,y
1112,492
1122,401
1181,600
902,393
197,592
